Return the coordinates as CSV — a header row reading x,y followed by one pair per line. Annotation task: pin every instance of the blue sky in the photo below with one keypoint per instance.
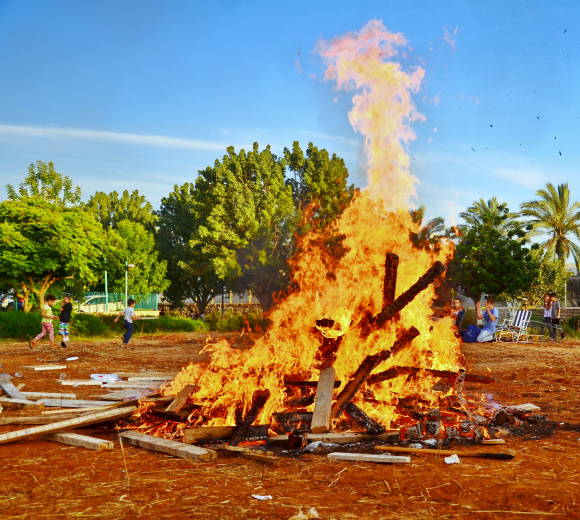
x,y
140,94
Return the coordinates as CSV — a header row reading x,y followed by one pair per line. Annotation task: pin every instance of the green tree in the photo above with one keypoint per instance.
x,y
133,219
110,209
190,272
430,233
492,261
244,213
319,184
488,212
42,244
45,183
557,217
552,277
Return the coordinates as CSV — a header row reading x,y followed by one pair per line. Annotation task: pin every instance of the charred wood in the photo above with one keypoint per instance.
x,y
390,282
308,384
407,297
371,426
259,399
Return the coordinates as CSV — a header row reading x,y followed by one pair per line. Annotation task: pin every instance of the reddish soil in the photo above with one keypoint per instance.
x,y
41,480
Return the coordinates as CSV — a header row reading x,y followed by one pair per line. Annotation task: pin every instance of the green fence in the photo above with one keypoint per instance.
x,y
98,302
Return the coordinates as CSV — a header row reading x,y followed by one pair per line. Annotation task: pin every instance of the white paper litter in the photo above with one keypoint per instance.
x,y
417,445
262,497
452,459
72,358
106,378
430,442
313,446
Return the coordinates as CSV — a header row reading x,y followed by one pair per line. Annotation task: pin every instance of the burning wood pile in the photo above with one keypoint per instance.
x,y
333,404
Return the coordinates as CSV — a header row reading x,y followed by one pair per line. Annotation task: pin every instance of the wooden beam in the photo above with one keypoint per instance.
x,y
133,384
323,402
127,393
73,403
9,388
427,451
80,382
147,378
18,404
46,367
69,424
405,298
177,449
339,438
207,433
247,453
81,441
35,419
181,398
259,399
366,367
369,457
371,426
48,395
390,280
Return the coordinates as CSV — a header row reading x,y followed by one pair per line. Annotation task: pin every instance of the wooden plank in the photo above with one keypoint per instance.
x,y
135,384
208,433
323,401
80,382
17,404
127,393
73,403
46,367
9,388
460,453
247,453
81,441
369,457
69,424
181,398
48,395
177,449
147,378
126,375
339,438
35,419
79,411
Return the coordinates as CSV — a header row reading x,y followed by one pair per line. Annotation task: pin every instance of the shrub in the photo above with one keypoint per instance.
x,y
232,321
90,325
19,324
170,324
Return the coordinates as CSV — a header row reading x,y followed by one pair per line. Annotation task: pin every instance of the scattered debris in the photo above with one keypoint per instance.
x,y
452,459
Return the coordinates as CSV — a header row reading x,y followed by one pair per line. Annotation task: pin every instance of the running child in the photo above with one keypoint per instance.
x,y
129,315
46,322
64,317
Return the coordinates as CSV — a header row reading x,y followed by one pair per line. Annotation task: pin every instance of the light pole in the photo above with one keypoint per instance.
x,y
106,292
127,267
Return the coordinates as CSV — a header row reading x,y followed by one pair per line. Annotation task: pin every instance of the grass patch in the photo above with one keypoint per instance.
x,y
233,322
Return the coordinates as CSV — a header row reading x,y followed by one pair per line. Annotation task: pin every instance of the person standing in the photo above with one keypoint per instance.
x,y
490,315
547,314
46,322
129,315
64,318
555,317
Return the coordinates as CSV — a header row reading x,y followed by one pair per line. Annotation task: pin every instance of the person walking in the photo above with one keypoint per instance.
x,y
64,318
129,315
46,322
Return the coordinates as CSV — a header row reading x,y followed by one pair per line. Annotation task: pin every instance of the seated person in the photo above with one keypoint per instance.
x,y
490,316
457,312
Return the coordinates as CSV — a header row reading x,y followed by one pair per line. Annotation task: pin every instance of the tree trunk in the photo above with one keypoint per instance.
x,y
265,297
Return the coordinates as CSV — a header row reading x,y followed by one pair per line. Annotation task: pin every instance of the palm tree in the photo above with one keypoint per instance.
x,y
430,233
556,217
488,212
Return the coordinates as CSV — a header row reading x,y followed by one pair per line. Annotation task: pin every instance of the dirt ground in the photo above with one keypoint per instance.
x,y
42,480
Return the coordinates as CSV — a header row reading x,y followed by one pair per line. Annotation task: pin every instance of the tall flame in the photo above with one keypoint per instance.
x,y
344,288
383,109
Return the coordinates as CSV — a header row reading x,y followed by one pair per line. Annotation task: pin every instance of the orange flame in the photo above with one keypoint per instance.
x,y
345,288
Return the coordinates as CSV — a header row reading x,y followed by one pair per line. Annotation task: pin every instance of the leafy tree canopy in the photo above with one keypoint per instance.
x,y
430,233
555,215
42,243
244,211
45,183
110,209
489,213
552,277
489,260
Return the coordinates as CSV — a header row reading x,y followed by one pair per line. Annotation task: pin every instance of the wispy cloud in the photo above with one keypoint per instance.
x,y
527,177
449,36
335,138
160,141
